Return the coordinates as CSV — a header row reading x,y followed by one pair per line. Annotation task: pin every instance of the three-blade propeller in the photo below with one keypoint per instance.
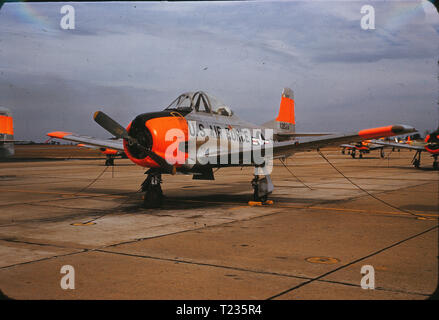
x,y
120,132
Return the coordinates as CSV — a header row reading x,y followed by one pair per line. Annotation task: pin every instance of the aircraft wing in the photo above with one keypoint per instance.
x,y
398,145
12,141
286,148
347,146
301,134
283,149
111,144
374,146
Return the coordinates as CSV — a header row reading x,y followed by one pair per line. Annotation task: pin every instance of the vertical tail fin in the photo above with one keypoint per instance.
x,y
6,133
286,121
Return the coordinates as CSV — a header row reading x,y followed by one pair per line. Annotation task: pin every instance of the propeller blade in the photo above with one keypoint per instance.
x,y
120,132
110,125
160,161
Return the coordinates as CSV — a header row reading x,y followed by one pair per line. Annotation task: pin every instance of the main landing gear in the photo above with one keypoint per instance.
x,y
153,197
417,159
262,185
109,161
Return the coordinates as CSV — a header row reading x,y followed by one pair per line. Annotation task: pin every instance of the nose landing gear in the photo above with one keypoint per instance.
x,y
153,197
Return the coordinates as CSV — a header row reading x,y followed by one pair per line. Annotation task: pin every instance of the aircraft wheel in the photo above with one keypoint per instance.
x,y
435,165
109,162
361,156
416,163
153,198
257,198
255,193
342,151
353,155
382,153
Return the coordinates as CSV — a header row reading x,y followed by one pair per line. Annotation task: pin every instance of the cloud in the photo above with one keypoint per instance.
x,y
137,57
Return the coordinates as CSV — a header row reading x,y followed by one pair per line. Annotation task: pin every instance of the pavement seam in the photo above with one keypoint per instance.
x,y
352,262
44,259
252,271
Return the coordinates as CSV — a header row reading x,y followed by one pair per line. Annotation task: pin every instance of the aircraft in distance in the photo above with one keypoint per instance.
x,y
362,147
197,133
110,154
6,133
430,145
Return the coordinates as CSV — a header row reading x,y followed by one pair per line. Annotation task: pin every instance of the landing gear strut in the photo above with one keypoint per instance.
x,y
153,197
435,163
109,161
262,185
417,159
353,154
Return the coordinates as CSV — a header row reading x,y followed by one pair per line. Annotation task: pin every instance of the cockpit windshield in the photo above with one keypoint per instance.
x,y
183,102
200,102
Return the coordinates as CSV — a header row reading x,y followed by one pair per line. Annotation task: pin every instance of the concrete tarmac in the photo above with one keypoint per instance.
x,y
208,243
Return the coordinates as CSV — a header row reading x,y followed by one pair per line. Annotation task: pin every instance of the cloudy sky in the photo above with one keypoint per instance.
x,y
130,58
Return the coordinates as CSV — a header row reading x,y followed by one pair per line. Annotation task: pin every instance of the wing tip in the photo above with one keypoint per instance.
x,y
58,134
387,131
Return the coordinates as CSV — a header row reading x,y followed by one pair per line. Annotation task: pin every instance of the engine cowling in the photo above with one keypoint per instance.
x,y
432,141
159,134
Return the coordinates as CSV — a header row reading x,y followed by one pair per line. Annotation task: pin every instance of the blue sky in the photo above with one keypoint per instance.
x,y
130,58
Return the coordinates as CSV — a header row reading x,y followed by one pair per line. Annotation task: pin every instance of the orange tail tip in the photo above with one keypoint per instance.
x,y
6,126
286,110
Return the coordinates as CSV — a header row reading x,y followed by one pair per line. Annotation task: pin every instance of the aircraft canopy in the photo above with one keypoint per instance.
x,y
200,102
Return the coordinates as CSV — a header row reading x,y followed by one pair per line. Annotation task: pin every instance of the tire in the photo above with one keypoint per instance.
x,y
255,194
153,198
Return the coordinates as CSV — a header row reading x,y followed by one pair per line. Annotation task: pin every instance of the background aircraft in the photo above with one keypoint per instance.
x,y
6,133
211,122
430,145
361,147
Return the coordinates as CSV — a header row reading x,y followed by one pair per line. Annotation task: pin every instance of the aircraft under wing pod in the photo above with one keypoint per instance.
x,y
197,132
430,145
